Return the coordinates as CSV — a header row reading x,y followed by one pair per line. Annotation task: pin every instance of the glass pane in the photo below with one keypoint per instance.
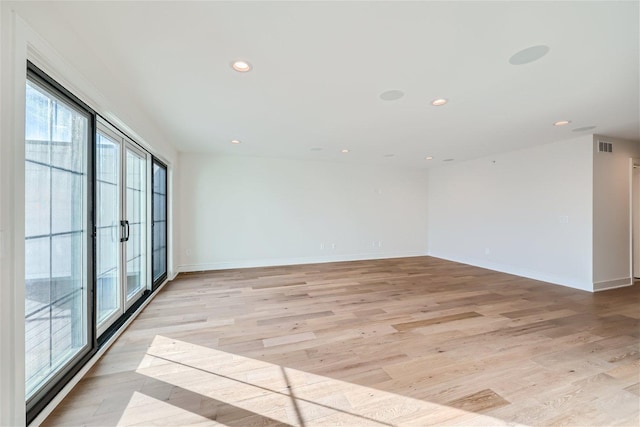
x,y
159,221
69,137
68,197
37,124
108,294
136,215
56,300
37,265
37,199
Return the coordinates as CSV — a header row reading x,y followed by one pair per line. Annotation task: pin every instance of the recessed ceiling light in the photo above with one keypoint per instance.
x,y
439,102
235,141
391,95
529,54
429,158
562,122
345,151
582,129
241,66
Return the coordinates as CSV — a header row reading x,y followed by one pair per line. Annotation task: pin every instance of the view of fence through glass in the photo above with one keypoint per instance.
x,y
55,228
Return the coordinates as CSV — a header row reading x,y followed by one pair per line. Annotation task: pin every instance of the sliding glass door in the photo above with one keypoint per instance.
x,y
88,216
58,255
121,238
159,222
109,299
135,223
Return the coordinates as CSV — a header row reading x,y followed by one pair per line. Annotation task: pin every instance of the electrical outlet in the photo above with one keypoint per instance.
x,y
333,246
322,246
563,219
379,243
487,251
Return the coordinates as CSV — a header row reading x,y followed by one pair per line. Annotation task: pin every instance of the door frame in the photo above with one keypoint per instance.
x,y
56,382
126,144
634,163
155,283
104,127
129,145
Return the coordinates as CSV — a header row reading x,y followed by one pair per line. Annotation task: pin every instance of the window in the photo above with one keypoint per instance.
x,y
159,223
58,138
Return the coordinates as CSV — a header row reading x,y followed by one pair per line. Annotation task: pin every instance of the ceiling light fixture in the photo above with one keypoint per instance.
x,y
429,158
562,122
528,55
439,102
391,95
241,66
235,141
345,151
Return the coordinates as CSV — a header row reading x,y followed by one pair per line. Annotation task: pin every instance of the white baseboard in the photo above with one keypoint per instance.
x,y
76,379
274,262
612,284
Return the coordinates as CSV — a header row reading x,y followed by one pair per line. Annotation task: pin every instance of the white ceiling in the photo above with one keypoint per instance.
x,y
319,68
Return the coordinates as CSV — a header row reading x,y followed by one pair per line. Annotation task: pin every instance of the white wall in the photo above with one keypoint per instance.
x,y
526,212
242,211
611,213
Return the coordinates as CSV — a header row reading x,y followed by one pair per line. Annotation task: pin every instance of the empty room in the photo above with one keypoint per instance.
x,y
318,213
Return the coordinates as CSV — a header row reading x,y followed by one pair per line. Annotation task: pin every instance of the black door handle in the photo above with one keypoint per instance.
x,y
125,223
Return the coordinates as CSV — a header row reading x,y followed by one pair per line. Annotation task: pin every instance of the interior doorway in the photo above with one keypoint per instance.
x,y
635,218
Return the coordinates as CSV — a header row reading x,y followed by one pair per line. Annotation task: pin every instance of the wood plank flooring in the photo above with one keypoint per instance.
x,y
411,341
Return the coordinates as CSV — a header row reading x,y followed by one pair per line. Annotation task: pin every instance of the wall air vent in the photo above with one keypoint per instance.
x,y
605,147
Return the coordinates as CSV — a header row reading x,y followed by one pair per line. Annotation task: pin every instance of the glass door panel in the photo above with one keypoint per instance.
x,y
135,223
108,270
159,222
57,136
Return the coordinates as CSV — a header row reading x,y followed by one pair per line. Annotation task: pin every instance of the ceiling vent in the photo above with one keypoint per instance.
x,y
605,147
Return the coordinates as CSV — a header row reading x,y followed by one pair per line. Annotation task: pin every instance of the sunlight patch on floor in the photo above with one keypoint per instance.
x,y
199,384
146,410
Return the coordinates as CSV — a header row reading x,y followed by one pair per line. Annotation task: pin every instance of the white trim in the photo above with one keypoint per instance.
x,y
12,368
42,416
612,284
12,404
274,262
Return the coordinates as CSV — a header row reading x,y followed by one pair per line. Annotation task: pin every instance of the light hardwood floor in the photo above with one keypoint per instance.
x,y
412,341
